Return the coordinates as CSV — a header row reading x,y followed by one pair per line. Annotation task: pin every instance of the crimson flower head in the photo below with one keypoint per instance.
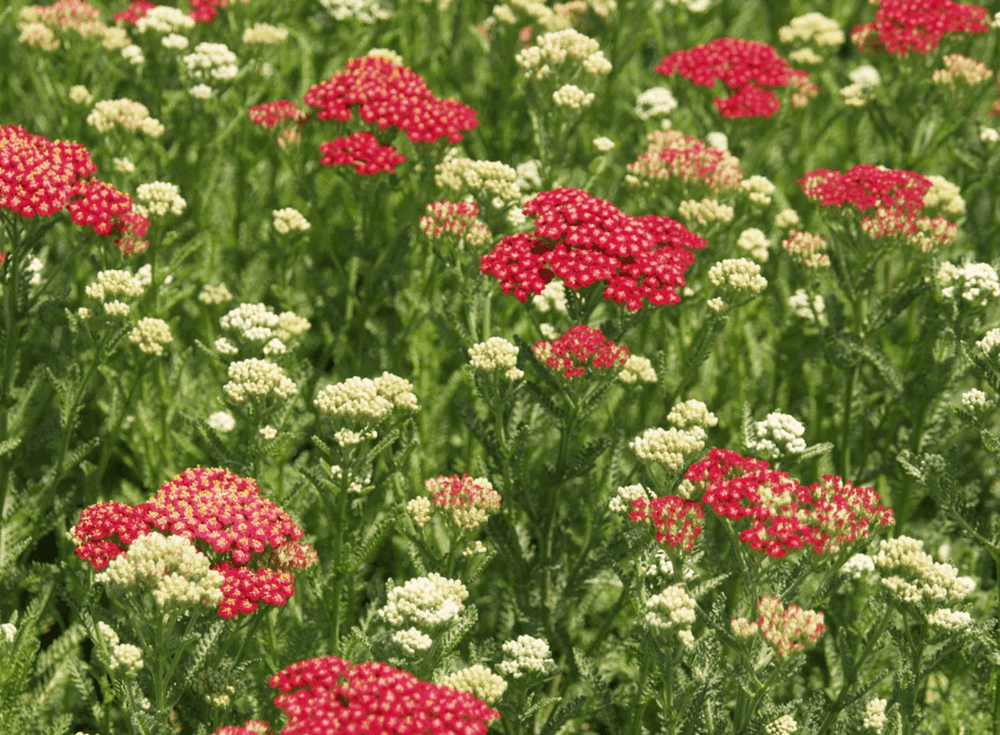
x,y
890,200
252,542
902,26
363,151
42,177
747,69
580,348
135,10
326,695
386,94
678,522
269,114
779,514
584,240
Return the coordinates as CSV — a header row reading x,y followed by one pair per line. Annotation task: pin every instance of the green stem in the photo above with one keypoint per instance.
x,y
338,572
845,433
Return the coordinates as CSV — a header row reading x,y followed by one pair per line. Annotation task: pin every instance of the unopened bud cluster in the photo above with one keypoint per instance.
x,y
254,380
526,655
777,435
482,178
911,575
496,354
976,283
480,681
428,602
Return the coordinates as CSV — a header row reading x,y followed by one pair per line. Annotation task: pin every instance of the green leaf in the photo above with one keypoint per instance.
x,y
372,537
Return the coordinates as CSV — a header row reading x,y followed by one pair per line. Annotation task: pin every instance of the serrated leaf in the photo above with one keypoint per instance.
x,y
583,461
454,635
815,450
566,711
9,445
362,549
602,693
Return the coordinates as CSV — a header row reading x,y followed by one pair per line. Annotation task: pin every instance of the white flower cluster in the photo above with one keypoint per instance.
x,y
625,496
115,283
202,92
671,608
716,139
637,369
552,297
420,510
8,631
951,620
705,211
387,53
755,243
264,34
604,144
692,6
989,135
258,323
864,79
567,51
798,302
570,95
692,412
412,641
222,421
482,178
496,353
123,165
737,274
812,27
127,113
429,602
479,681
916,577
945,196
150,334
214,293
777,435
123,655
254,380
526,655
80,95
655,102
133,54
787,218
974,399
758,188
175,42
212,61
365,11
667,447
989,341
659,565
857,566
163,19
177,574
874,718
784,725
157,198
973,282
288,219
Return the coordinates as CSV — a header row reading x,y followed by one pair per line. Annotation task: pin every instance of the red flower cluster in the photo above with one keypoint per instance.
x,y
582,240
782,514
361,150
389,95
901,26
269,114
579,348
678,522
41,177
470,499
891,200
324,695
225,516
745,67
205,11
251,727
671,154
788,629
135,10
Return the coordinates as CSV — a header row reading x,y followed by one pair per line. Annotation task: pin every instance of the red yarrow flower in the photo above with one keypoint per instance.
x,y
580,350
251,727
363,151
135,10
782,515
788,629
902,26
386,94
471,500
459,219
252,542
745,67
890,199
325,695
584,240
678,522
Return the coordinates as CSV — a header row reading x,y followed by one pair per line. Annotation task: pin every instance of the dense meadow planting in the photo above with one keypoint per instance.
x,y
451,367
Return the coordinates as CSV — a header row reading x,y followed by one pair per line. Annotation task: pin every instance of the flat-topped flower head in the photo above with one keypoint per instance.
x,y
670,155
913,577
124,113
254,380
150,335
158,198
332,695
902,26
363,151
668,447
455,219
813,28
671,609
212,62
269,114
288,220
583,240
563,55
39,176
471,500
790,629
676,521
745,67
480,178
777,435
580,351
479,681
975,283
494,355
429,602
807,248
526,655
389,95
